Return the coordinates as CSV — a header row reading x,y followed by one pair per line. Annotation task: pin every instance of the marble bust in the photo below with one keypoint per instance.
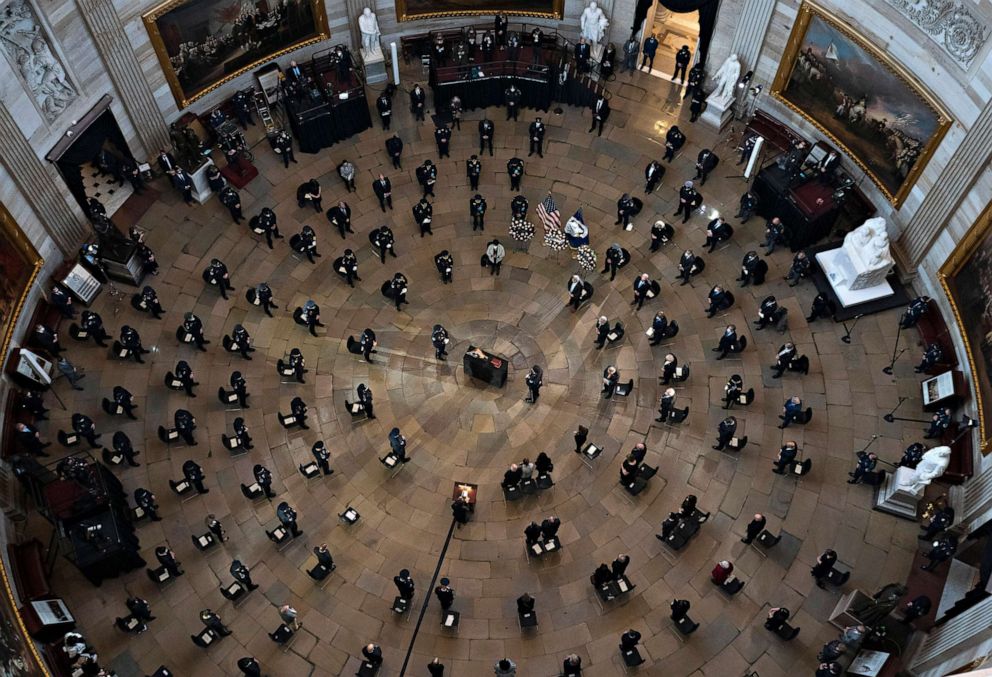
x,y
593,23
369,27
932,466
725,79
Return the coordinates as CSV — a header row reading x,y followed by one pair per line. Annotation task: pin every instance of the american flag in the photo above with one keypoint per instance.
x,y
547,211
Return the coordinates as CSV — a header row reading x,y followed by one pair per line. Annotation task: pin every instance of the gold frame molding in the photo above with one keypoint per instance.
x,y
962,254
151,17
19,243
39,667
557,12
807,12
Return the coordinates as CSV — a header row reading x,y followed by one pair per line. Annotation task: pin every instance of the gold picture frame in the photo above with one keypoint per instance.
x,y
890,154
441,9
187,89
962,276
11,622
19,266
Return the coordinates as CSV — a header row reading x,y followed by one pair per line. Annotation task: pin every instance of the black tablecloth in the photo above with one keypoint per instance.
x,y
485,369
777,198
485,92
325,125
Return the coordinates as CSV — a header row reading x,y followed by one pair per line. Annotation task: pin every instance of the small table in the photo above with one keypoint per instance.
x,y
868,663
491,368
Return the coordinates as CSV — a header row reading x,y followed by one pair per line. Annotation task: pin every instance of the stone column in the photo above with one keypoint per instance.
x,y
964,167
750,33
41,187
122,65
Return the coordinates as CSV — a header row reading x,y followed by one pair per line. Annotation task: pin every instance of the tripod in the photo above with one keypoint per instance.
x,y
846,338
895,348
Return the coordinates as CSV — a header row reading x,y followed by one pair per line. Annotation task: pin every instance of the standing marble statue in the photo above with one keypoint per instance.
x,y
369,27
725,79
593,23
932,466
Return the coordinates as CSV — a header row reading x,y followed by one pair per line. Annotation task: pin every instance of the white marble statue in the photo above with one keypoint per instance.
x,y
725,79
369,26
27,46
870,242
593,23
932,466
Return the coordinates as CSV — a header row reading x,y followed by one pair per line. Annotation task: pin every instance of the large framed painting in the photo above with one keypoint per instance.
x,y
19,266
861,98
18,655
201,44
411,10
967,280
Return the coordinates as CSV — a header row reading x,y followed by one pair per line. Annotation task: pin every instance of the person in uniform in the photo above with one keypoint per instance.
x,y
167,559
613,260
534,381
515,170
92,323
191,469
682,59
820,308
242,574
288,518
423,214
132,341
486,132
230,199
512,97
146,501
240,388
263,477
774,234
217,275
322,457
625,208
405,585
151,303
282,143
697,75
749,202
241,341
298,364
394,147
689,199
427,177
266,221
477,210
444,264
83,426
440,340
536,132
385,107
193,326
674,140
611,377
383,190
349,263
799,269
442,137
306,243
309,315
417,100
696,103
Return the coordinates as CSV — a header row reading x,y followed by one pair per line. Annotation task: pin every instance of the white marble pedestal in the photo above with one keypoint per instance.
x,y
375,66
894,499
835,265
201,189
718,113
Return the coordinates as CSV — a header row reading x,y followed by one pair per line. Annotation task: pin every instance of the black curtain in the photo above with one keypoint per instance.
x,y
85,149
707,18
327,124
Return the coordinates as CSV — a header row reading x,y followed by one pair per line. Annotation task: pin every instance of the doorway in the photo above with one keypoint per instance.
x,y
673,29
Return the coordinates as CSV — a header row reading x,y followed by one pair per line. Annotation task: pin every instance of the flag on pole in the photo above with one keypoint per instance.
x,y
547,211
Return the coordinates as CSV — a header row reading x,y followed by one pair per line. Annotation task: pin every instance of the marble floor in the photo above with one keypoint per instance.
x,y
459,430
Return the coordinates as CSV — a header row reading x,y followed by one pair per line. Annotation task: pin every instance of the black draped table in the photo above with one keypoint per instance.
x,y
321,126
485,366
490,83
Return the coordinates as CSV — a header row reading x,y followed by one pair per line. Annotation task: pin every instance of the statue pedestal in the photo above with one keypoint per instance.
x,y
718,112
596,52
375,66
839,269
201,189
894,499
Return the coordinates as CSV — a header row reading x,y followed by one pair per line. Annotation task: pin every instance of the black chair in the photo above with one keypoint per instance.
x,y
367,669
512,492
168,435
182,335
678,415
173,383
112,458
183,489
767,539
310,471
77,332
800,468
235,592
838,578
686,625
787,632
528,619
204,541
160,575
111,408
120,352
205,638
228,398
67,440
681,373
253,491
282,636
624,389
732,585
631,657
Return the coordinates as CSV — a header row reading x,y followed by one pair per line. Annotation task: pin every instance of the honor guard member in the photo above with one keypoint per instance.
x,y
488,46
477,208
241,341
385,107
725,432
423,214
241,433
614,259
193,326
125,400
518,207
382,239
486,132
349,262
346,170
512,97
365,398
674,140
537,138
287,517
242,574
912,456
240,387
515,169
405,585
444,264
368,344
439,339
263,476
150,300
774,234
749,202
682,59
266,222
184,374
298,408
455,106
146,501
689,199
340,217
322,457
298,364
717,231
309,194
600,112
534,381
185,424
131,340
230,199
706,162
513,46
733,390
383,190
83,426
746,149
217,275
417,99
264,295
473,168
398,288
866,464
442,137
93,324
394,147
697,74
427,177
799,269
282,143
652,176
696,104
625,208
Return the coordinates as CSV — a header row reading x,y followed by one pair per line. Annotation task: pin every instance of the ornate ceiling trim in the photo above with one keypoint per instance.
x,y
948,23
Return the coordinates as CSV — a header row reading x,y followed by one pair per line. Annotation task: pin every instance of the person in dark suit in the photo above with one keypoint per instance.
x,y
445,594
696,103
689,199
767,313
824,565
718,299
611,377
614,259
753,269
193,472
754,527
682,59
384,105
305,243
486,132
866,464
83,426
193,326
602,331
575,290
167,558
340,217
372,654
230,199
668,368
549,527
791,411
625,208
820,308
308,193
532,533
777,616
629,640
242,574
92,323
445,265
653,174
642,285
427,177
939,423
146,501
706,162
394,147
689,264
534,381
619,566
515,170
786,455
674,140
582,55
383,190
729,342
697,75
473,169
799,269
536,132
717,231
61,300
47,339
417,100
749,202
786,354
442,137
600,113
167,162
249,666
725,432
184,184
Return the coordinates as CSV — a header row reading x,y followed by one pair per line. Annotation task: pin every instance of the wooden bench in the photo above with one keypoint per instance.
x,y
29,570
962,464
933,329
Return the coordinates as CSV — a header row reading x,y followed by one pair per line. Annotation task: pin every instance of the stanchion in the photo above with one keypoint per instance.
x,y
895,348
846,338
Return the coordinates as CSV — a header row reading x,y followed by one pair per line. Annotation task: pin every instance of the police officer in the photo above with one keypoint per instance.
x,y
368,344
383,190
306,243
385,107
515,169
487,130
309,315
194,327
512,102
264,295
298,364
240,387
820,308
697,74
93,324
427,177
349,262
394,146
445,264
689,199
614,259
322,456
132,341
774,234
625,208
266,222
263,476
534,381
299,410
242,574
194,474
340,217
146,500
83,426
423,214
674,140
405,584
398,288
477,209
230,199
474,169
241,341
382,239
185,425
184,374
167,558
696,104
442,136
282,143
213,623
150,300
537,138
439,339
682,59
749,202
122,445
287,516
216,274
124,399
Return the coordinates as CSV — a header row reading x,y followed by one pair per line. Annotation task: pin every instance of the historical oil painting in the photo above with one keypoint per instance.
x,y
409,10
203,43
19,264
967,280
861,98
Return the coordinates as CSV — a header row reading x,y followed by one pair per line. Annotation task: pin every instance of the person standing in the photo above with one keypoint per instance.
x,y
394,147
495,253
230,199
417,100
346,170
383,190
385,107
486,132
442,137
650,49
652,176
689,199
534,381
682,59
600,113
512,96
536,138
473,168
515,170
477,209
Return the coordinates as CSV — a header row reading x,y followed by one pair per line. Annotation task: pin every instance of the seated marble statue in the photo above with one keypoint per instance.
x,y
870,243
368,25
933,464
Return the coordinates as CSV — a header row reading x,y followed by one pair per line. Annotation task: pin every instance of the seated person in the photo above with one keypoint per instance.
x,y
525,604
602,575
512,476
719,300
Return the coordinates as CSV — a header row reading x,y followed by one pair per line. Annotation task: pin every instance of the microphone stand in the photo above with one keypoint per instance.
x,y
846,338
895,355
